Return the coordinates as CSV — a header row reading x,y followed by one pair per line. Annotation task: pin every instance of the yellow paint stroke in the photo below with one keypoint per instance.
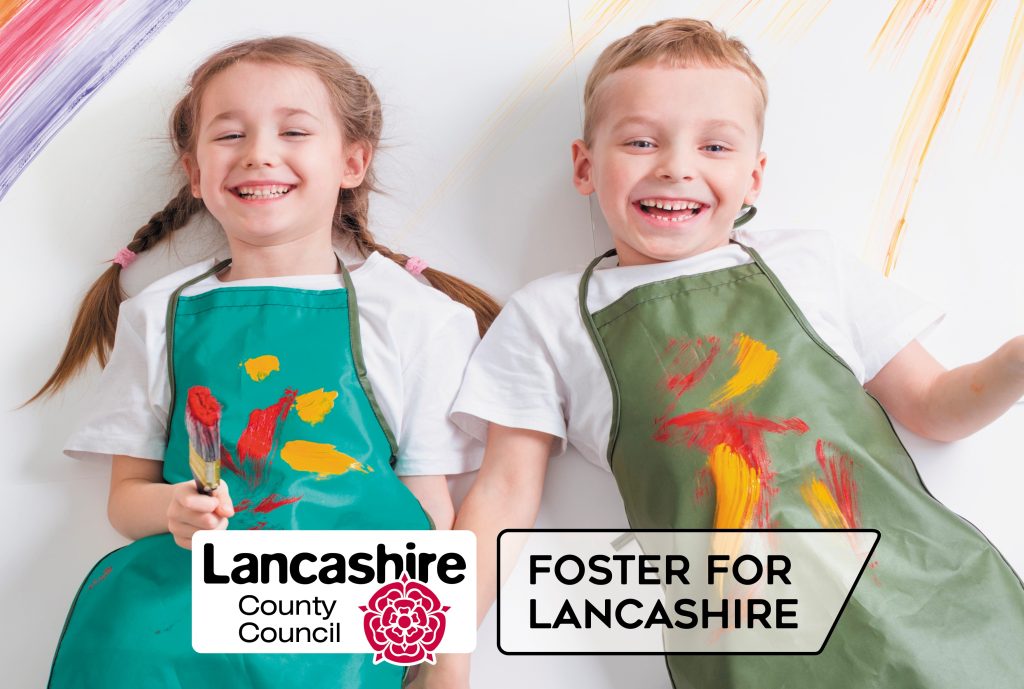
x,y
754,364
524,102
1011,71
737,488
791,19
900,25
314,406
320,458
928,104
260,367
823,505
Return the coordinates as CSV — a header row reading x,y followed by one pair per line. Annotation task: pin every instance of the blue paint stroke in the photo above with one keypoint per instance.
x,y
43,110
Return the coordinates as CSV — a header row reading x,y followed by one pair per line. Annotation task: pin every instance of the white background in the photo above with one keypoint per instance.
x,y
481,103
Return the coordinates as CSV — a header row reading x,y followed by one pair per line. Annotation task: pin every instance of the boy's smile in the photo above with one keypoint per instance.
x,y
673,159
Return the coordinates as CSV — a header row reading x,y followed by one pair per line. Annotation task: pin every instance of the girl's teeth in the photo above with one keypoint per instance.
x,y
263,192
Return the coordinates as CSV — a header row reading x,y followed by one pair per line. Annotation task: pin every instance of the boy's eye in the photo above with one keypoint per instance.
x,y
715,148
641,143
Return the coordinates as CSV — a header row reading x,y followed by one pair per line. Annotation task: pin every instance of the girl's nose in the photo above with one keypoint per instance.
x,y
259,153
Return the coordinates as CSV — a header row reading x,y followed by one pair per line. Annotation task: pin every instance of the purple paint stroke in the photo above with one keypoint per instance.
x,y
43,110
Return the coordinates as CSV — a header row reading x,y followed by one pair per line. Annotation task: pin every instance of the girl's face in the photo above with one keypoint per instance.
x,y
270,154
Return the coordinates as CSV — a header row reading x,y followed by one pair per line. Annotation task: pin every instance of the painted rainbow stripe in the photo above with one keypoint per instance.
x,y
54,54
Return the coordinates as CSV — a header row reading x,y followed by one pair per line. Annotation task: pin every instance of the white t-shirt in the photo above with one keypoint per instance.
x,y
416,342
537,367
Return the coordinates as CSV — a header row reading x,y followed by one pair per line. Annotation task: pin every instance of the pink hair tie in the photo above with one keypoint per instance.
x,y
415,265
124,257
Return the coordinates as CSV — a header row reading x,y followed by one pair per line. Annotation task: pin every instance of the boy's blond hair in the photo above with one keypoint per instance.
x,y
680,43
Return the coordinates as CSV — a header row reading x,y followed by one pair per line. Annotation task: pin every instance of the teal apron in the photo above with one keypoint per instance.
x,y
729,411
304,447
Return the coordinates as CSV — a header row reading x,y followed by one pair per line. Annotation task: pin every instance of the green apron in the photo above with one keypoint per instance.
x,y
729,411
304,447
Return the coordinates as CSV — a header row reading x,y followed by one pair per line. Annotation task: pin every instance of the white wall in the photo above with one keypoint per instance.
x,y
482,101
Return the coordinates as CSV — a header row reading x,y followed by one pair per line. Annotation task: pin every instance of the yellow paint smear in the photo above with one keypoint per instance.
x,y
260,367
754,364
737,488
1011,72
823,505
922,116
320,458
312,407
900,25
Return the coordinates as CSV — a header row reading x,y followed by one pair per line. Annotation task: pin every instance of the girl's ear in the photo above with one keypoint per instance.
x,y
357,156
582,168
192,170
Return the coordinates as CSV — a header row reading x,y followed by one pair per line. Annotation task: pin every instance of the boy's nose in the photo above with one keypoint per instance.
x,y
675,166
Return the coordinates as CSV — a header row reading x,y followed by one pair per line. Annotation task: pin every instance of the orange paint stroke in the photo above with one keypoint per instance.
x,y
320,458
523,103
928,103
838,469
754,364
312,407
790,18
1011,70
260,367
8,9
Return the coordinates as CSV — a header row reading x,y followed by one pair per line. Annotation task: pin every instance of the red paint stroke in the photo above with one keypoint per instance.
x,y
741,431
243,506
101,577
257,440
705,483
273,501
838,470
681,379
203,406
259,525
226,462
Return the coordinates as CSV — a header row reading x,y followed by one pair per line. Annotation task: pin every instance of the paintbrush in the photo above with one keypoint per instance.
x,y
202,420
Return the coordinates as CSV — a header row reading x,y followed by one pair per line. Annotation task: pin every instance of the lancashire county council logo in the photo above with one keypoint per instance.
x,y
404,623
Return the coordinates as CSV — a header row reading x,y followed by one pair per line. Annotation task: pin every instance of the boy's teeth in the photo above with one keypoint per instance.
x,y
670,205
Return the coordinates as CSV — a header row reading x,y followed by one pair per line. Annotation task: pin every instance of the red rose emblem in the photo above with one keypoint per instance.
x,y
404,623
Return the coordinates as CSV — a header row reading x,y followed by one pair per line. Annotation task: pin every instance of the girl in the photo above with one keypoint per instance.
x,y
277,139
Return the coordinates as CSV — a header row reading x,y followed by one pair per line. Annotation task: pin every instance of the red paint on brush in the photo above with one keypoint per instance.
x,y
741,431
101,577
257,440
273,501
838,470
203,406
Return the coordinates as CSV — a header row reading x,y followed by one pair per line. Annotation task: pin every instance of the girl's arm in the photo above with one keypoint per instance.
x,y
432,492
141,504
948,405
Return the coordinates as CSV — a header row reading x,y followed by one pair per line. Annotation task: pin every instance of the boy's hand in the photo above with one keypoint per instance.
x,y
191,511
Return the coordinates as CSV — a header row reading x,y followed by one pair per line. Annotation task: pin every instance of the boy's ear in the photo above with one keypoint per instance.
x,y
357,156
192,171
582,169
757,176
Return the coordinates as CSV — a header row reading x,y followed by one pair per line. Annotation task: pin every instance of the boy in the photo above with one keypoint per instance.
x,y
741,371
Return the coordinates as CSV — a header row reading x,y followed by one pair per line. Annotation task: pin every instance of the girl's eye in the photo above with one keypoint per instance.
x,y
641,143
292,132
228,137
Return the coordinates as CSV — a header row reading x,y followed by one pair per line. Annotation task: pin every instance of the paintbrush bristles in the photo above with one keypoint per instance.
x,y
202,421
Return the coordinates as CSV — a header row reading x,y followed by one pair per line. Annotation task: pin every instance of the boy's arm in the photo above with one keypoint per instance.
x,y
948,405
505,495
433,494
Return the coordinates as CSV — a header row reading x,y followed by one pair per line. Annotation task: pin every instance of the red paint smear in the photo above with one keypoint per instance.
x,y
838,470
273,501
203,406
101,577
741,431
226,462
681,381
259,525
704,484
257,439
38,32
243,506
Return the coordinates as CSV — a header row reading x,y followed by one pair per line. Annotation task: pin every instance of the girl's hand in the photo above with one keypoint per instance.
x,y
191,511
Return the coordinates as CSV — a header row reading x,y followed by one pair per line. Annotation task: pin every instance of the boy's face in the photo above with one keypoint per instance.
x,y
683,138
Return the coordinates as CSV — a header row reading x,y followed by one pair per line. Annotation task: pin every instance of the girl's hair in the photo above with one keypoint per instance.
x,y
679,43
358,109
